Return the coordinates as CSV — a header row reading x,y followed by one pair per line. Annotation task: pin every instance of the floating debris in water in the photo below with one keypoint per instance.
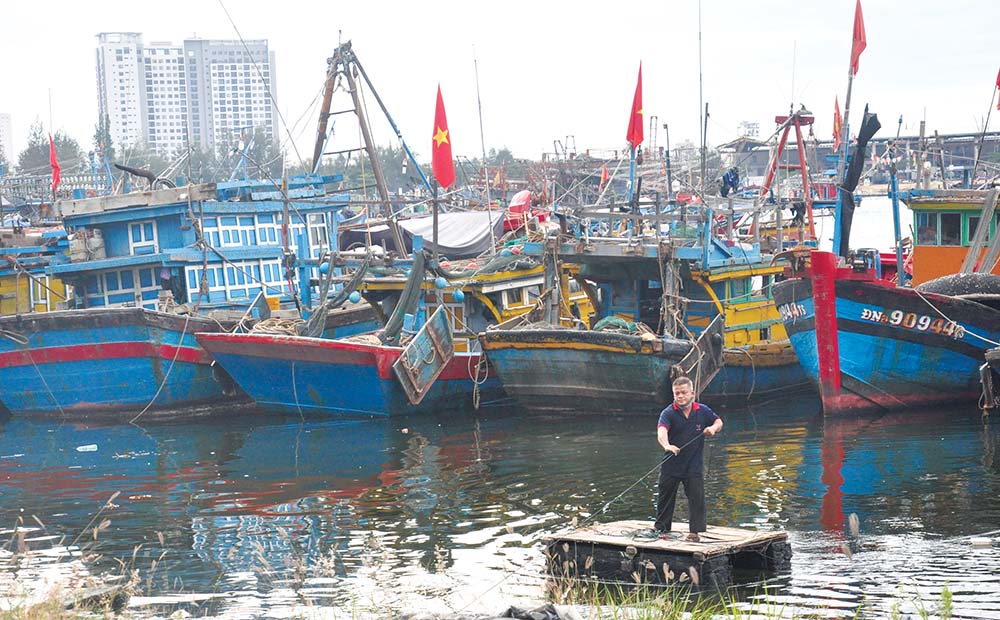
x,y
854,524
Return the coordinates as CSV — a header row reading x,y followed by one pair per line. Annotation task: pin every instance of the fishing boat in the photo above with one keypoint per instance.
x,y
425,358
868,343
611,362
148,270
25,253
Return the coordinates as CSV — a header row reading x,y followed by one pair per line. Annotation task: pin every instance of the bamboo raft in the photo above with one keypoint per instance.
x,y
625,551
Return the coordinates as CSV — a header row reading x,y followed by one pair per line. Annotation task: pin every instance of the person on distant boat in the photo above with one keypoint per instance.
x,y
681,431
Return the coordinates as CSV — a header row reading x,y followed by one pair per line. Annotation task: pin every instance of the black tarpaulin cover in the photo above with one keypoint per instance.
x,y
869,126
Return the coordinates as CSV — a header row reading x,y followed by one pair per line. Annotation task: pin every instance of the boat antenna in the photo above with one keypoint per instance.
x,y
702,121
791,96
482,142
982,136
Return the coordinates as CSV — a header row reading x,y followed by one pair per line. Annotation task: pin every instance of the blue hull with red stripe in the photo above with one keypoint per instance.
x,y
868,345
108,362
342,377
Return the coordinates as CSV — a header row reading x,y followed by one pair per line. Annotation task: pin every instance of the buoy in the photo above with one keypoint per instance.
x,y
324,267
506,252
458,295
354,297
472,266
444,264
516,249
440,282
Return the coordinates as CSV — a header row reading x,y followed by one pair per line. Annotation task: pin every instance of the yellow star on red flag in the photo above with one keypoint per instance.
x,y
441,136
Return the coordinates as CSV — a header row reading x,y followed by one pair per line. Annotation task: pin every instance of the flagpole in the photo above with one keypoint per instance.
x,y
844,146
982,138
631,173
435,220
482,142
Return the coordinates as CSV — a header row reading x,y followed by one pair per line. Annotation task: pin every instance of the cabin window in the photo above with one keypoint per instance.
x,y
318,238
39,287
927,224
142,238
739,288
972,225
951,229
267,230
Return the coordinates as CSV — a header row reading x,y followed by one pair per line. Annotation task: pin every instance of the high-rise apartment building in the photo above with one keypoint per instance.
x,y
120,86
205,93
229,85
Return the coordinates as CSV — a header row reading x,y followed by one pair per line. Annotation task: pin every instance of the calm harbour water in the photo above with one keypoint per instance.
x,y
266,516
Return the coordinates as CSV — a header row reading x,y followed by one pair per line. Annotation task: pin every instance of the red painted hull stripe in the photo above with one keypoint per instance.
x,y
103,351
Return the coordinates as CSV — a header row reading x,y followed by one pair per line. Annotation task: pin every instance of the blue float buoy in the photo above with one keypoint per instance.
x,y
458,295
440,282
354,297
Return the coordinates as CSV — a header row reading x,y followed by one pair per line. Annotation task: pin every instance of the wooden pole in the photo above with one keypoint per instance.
x,y
842,156
435,220
982,137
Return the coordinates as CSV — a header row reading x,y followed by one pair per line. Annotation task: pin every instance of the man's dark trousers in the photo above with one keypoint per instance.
x,y
666,499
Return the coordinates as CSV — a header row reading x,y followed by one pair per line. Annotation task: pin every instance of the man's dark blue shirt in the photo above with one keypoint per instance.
x,y
682,430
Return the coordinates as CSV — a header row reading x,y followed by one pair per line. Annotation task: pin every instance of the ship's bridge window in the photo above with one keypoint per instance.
x,y
972,225
927,228
951,229
142,238
739,288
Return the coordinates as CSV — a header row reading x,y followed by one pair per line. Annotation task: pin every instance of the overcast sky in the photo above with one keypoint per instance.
x,y
547,70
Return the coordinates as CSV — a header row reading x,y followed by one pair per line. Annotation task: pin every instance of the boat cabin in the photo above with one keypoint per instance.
x,y
944,226
215,244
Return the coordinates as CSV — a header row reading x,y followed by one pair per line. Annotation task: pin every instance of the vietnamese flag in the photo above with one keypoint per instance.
x,y
634,134
837,124
441,162
54,162
860,41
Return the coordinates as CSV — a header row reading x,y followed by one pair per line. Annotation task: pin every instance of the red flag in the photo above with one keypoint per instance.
x,y
441,162
998,86
860,42
54,162
634,134
604,175
837,124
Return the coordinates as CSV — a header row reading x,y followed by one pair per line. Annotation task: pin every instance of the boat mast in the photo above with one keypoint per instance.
x,y
486,170
982,137
345,62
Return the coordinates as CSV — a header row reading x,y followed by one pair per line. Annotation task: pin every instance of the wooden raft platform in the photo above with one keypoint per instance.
x,y
626,551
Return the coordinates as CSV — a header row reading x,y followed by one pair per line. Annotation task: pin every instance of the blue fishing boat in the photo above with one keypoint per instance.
x,y
147,271
872,343
426,357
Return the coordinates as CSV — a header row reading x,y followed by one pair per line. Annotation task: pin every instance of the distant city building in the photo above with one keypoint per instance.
x,y
6,140
204,93
120,91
